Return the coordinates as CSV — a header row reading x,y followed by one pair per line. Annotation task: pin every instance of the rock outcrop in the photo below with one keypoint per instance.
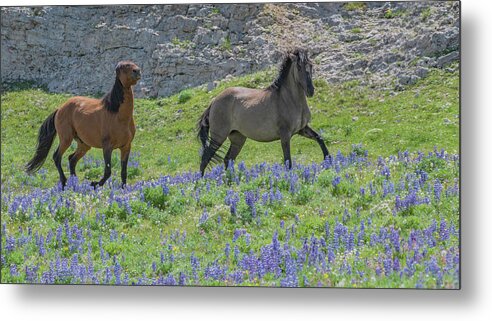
x,y
75,49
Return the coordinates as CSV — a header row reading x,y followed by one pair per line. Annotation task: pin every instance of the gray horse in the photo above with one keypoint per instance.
x,y
277,112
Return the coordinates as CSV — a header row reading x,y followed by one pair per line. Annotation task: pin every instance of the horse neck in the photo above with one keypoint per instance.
x,y
292,91
126,109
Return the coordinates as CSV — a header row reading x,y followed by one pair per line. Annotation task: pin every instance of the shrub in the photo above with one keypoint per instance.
x,y
184,96
353,6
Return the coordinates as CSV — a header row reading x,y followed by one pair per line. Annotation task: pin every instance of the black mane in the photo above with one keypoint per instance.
x,y
114,98
285,66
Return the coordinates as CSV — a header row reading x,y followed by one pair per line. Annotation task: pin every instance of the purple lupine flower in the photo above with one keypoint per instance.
x,y
360,236
336,181
331,254
227,250
117,272
49,236
351,242
290,279
327,230
378,271
9,243
182,278
215,272
241,167
236,277
306,174
443,230
432,266
388,266
203,218
395,239
165,188
195,266
362,191
231,199
250,199
385,171
305,280
41,247
237,233
31,274
13,270
396,265
293,182
437,189
236,253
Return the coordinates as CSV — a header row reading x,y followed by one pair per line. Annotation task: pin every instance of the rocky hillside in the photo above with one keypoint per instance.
x,y
75,49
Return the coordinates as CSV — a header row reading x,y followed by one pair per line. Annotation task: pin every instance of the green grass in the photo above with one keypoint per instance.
x,y
182,43
425,14
419,118
226,44
383,122
352,6
390,14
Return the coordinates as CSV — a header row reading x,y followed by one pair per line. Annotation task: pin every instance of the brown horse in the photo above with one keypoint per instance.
x,y
277,112
105,123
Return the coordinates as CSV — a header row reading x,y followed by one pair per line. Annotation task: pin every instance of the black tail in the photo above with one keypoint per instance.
x,y
203,127
211,150
46,135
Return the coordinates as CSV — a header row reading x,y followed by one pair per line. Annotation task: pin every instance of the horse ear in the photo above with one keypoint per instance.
x,y
118,67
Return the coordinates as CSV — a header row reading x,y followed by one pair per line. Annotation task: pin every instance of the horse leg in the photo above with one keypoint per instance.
x,y
285,141
308,132
57,157
237,142
76,156
107,151
209,152
125,155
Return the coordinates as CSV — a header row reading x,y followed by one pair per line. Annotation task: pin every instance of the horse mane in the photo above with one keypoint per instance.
x,y
285,66
114,98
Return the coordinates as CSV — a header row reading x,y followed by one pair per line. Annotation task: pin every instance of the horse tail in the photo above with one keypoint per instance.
x,y
46,135
203,127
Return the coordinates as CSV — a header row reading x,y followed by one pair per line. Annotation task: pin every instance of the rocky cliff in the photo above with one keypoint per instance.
x,y
75,49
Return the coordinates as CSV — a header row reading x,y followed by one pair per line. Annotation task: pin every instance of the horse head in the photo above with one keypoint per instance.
x,y
128,73
303,72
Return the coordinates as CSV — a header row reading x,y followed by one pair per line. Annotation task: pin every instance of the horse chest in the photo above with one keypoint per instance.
x,y
122,134
306,117
300,119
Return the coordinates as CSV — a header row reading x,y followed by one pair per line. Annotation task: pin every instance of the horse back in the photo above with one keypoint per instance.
x,y
252,112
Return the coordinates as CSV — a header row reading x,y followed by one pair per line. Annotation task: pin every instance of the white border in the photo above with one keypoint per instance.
x,y
473,302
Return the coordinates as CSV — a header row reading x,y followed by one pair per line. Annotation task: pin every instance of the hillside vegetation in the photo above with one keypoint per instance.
x,y
384,122
383,212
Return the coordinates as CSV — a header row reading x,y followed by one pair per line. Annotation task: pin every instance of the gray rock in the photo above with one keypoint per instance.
x,y
421,72
447,59
75,49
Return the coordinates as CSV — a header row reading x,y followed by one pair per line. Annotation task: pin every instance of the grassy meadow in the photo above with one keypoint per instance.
x,y
383,212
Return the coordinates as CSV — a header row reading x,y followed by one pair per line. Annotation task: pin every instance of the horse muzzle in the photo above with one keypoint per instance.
x,y
137,76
